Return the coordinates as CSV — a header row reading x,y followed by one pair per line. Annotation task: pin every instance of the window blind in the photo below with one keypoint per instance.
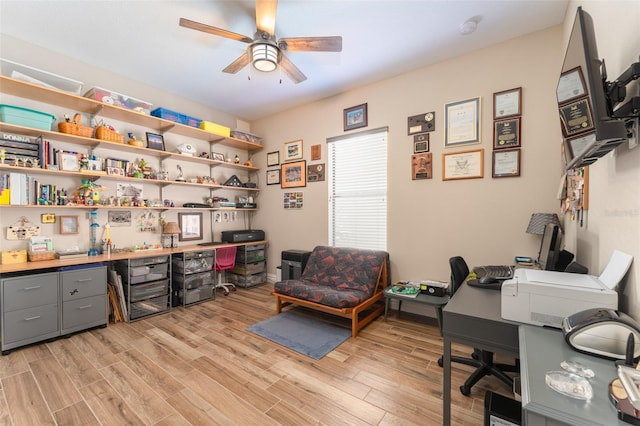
x,y
357,175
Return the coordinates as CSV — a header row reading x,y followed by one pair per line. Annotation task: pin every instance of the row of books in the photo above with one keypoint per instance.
x,y
21,189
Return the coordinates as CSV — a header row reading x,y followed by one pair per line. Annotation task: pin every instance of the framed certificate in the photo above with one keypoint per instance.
x,y
570,86
463,165
462,122
576,117
507,103
273,158
506,133
273,177
506,163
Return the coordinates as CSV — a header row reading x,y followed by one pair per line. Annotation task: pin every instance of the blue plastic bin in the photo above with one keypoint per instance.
x,y
177,117
26,117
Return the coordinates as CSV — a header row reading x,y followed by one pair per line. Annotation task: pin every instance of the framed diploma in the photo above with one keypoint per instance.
x,y
506,133
576,117
273,158
421,166
506,163
570,86
273,177
507,103
462,122
463,165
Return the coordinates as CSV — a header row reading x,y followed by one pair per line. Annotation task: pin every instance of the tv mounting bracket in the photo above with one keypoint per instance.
x,y
617,92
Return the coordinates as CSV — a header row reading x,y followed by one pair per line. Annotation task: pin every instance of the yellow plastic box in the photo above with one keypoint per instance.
x,y
14,256
210,127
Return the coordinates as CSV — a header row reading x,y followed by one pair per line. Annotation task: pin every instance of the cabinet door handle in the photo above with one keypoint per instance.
x,y
85,307
35,287
84,280
32,318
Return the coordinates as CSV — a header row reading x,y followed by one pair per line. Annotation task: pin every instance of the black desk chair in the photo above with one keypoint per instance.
x,y
481,359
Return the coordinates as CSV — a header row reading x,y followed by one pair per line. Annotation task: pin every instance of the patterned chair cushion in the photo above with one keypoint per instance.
x,y
336,276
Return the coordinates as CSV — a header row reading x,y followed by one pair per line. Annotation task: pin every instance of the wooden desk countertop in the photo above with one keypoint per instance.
x,y
56,263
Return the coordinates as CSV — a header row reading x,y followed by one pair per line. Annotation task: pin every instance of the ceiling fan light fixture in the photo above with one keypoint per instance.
x,y
264,57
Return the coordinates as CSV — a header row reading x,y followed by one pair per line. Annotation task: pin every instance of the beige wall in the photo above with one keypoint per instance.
x,y
613,220
483,220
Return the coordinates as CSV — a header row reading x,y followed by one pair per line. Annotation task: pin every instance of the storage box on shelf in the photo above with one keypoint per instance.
x,y
26,117
251,266
178,117
114,98
192,277
146,285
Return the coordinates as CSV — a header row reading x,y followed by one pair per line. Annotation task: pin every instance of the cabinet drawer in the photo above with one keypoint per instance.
x,y
29,323
83,283
84,313
29,291
141,274
146,291
249,268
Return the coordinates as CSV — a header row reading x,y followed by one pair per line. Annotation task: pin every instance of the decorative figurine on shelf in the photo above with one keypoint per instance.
x,y
3,155
248,163
84,163
180,177
134,141
236,159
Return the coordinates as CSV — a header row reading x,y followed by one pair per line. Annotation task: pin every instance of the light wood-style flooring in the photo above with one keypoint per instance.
x,y
200,366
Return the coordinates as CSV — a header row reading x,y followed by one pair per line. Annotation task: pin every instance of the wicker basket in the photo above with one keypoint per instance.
x,y
75,127
36,256
106,134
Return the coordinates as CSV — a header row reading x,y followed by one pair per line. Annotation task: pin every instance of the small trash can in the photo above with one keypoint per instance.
x,y
501,411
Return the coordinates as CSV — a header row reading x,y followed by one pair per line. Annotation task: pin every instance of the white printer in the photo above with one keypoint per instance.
x,y
547,297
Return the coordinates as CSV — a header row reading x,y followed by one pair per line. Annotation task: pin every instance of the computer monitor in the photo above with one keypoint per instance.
x,y
549,247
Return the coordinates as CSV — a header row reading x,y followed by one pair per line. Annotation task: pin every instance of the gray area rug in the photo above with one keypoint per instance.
x,y
305,334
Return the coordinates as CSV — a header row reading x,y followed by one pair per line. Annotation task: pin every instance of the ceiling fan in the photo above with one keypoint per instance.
x,y
264,51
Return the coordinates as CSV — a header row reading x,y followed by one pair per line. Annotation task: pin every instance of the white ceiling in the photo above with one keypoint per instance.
x,y
141,39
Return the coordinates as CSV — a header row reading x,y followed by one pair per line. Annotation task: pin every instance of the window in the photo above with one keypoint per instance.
x,y
358,190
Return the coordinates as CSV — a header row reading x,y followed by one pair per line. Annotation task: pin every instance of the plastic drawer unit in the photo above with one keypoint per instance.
x,y
192,277
147,285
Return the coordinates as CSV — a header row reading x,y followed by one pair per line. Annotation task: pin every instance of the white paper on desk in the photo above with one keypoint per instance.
x,y
611,276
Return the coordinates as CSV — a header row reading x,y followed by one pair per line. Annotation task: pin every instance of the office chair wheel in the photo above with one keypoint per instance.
x,y
465,390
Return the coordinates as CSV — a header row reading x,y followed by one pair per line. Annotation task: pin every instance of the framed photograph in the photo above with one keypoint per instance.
x,y
355,117
570,86
506,163
421,166
293,150
507,103
69,225
190,226
421,143
69,162
294,175
506,133
273,158
273,177
462,122
155,141
315,173
217,156
463,165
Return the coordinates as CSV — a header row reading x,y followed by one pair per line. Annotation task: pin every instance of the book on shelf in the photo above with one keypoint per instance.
x,y
405,289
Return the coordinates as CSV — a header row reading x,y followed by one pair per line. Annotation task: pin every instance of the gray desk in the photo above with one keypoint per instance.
x,y
472,317
542,350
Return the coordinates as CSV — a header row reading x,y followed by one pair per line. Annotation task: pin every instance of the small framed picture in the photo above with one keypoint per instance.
x,y
217,156
190,226
355,117
506,133
155,141
507,103
294,175
316,152
273,177
463,165
421,143
69,162
69,225
506,163
315,172
293,150
273,158
48,218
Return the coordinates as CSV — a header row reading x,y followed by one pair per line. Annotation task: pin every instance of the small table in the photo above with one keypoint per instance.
x,y
424,298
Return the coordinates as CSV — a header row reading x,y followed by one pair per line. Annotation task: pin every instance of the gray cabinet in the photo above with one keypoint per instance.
x,y
147,285
251,266
84,298
193,278
41,306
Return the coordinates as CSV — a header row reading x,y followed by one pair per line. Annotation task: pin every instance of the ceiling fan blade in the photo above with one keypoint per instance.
x,y
238,64
214,30
266,16
312,44
291,70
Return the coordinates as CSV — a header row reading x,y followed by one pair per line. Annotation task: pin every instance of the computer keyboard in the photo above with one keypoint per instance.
x,y
501,272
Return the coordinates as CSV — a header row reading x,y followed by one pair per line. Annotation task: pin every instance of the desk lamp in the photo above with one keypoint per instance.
x,y
170,234
539,221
